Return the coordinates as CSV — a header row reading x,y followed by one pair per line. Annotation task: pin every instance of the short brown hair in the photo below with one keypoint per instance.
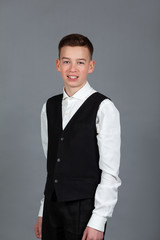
x,y
75,40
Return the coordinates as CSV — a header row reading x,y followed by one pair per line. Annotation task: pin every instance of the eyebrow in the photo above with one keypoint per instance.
x,y
82,59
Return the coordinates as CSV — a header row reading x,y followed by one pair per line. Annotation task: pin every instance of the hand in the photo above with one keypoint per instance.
x,y
92,234
38,228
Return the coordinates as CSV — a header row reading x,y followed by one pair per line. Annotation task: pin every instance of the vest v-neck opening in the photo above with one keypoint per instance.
x,y
76,113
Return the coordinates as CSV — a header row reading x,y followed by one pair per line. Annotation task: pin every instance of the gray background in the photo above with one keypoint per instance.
x,y
126,38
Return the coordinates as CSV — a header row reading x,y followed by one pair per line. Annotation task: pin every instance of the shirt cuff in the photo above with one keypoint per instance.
x,y
40,214
97,222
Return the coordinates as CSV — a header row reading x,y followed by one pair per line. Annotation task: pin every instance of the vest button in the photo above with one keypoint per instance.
x,y
58,159
56,180
62,138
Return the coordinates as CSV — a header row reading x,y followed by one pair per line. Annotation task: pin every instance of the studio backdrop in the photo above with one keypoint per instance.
x,y
126,38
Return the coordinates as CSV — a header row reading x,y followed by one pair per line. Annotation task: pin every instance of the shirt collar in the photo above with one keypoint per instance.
x,y
80,94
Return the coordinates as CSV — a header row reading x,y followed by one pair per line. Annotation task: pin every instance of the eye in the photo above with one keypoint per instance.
x,y
80,62
66,62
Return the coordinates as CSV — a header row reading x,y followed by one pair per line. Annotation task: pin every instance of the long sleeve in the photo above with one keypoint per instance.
x,y
44,130
108,138
44,138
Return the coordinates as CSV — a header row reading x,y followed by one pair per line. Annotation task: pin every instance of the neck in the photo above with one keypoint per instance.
x,y
71,91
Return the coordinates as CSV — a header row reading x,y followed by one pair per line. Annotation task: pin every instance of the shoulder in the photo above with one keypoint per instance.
x,y
55,98
49,101
100,96
108,108
106,105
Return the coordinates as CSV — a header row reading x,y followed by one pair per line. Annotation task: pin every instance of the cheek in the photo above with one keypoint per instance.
x,y
63,70
85,71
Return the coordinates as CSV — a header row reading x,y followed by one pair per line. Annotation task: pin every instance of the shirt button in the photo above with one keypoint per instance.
x,y
58,159
56,180
62,138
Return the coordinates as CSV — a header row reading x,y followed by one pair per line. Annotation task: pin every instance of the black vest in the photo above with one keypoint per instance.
x,y
73,156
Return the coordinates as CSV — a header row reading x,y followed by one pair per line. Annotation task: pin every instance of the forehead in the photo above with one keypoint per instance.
x,y
74,52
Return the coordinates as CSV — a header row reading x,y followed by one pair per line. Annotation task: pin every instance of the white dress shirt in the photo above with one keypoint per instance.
x,y
108,139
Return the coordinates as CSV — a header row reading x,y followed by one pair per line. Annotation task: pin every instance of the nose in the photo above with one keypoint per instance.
x,y
72,67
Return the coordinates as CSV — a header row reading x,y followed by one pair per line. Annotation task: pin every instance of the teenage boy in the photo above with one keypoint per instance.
x,y
81,139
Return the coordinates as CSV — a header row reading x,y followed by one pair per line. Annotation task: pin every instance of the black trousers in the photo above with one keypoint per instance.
x,y
66,220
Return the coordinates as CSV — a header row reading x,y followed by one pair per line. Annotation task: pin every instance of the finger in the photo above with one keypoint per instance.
x,y
40,230
84,236
36,230
40,234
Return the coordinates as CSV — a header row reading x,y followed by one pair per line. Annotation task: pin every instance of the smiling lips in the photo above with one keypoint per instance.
x,y
72,77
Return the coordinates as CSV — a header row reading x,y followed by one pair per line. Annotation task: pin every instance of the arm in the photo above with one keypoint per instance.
x,y
44,137
108,139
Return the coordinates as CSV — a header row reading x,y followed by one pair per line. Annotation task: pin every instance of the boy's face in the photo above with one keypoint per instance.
x,y
74,65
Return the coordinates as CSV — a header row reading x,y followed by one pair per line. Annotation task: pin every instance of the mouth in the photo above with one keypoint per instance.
x,y
72,77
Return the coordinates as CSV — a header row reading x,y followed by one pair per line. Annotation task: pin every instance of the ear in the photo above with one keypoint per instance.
x,y
58,65
91,66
